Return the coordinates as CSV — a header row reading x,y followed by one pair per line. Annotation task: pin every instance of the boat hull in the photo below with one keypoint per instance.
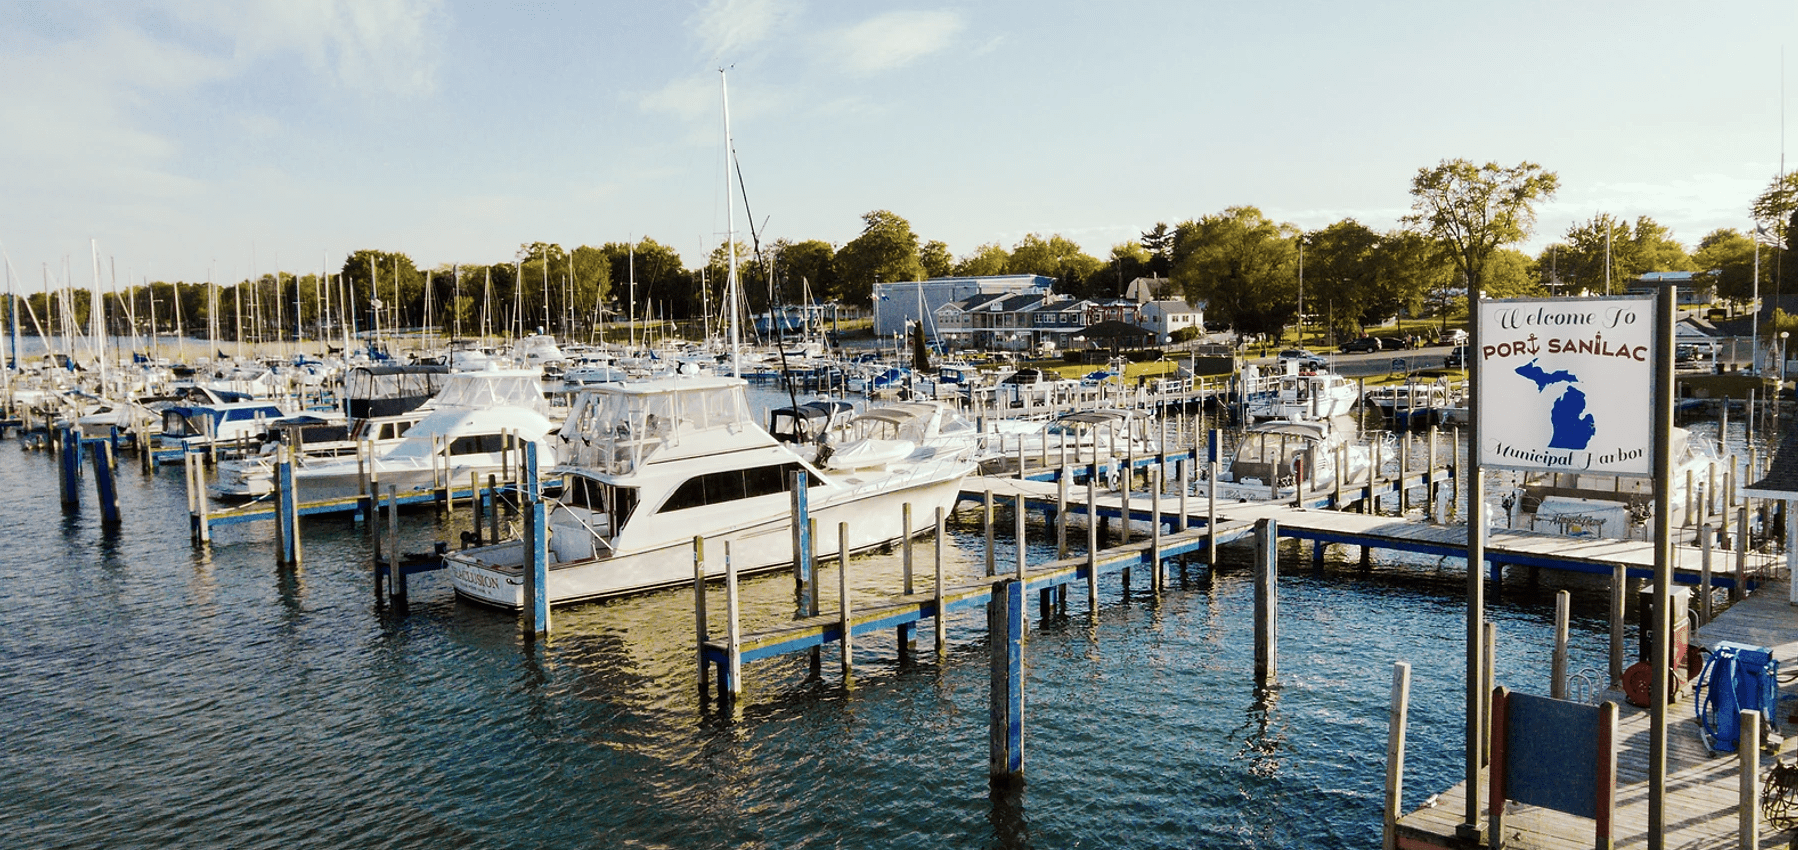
x,y
494,575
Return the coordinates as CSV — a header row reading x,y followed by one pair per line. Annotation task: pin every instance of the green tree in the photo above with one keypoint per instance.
x,y
1158,241
1727,258
652,274
936,259
985,261
1475,210
1510,273
1776,208
1243,264
1340,273
1410,268
809,268
887,250
387,291
1057,257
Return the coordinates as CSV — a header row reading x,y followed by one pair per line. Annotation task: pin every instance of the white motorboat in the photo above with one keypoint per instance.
x,y
1414,404
651,465
315,440
467,429
1296,393
1615,506
1274,456
1085,436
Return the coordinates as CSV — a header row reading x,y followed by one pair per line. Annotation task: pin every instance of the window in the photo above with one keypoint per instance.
x,y
478,444
714,488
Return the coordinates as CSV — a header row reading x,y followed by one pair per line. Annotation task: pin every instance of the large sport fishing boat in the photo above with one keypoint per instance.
x,y
649,466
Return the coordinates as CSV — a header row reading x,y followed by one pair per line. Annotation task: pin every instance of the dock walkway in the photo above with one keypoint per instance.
x,y
1702,790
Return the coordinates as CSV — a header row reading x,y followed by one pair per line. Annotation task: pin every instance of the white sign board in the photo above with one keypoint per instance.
x,y
1567,385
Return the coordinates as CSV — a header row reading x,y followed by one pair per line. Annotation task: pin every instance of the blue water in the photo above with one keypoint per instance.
x,y
162,695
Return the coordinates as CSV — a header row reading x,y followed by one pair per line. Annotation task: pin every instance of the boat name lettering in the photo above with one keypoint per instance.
x,y
469,576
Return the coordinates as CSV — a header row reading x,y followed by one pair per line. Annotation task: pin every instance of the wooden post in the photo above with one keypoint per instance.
x,y
700,633
733,625
1395,751
1404,467
942,621
1619,584
1375,469
1691,495
905,520
1748,757
287,520
492,508
1267,604
1124,504
536,573
1490,650
1005,623
1704,575
396,579
1156,578
365,491
1092,541
104,488
201,504
1185,492
1740,590
1557,671
1018,511
907,632
193,511
843,602
1061,513
474,503
1430,476
987,518
69,456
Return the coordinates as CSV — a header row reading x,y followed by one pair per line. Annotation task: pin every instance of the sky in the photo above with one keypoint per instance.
x,y
228,138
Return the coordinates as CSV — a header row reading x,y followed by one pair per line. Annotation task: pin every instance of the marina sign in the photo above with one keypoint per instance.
x,y
1567,385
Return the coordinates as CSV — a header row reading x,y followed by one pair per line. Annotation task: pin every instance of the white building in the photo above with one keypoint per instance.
x,y
1166,318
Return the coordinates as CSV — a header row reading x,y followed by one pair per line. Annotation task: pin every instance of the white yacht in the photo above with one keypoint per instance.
x,y
1615,506
648,466
1273,455
1311,394
1087,435
464,430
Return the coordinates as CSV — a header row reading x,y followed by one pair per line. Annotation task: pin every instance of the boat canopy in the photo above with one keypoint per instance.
x,y
637,417
494,388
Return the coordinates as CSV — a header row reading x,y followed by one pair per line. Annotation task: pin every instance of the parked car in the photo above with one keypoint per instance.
x,y
1366,343
1457,358
1308,362
1396,343
1458,336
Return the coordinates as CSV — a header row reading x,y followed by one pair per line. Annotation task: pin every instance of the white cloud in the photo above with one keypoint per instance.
x,y
726,27
894,39
372,46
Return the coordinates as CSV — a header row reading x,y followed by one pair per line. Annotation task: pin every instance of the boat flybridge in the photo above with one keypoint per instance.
x,y
466,429
648,466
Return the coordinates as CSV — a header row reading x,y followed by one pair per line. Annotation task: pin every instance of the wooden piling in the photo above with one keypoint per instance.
x,y
1185,492
1267,556
202,506
843,601
492,508
1704,574
1157,575
1739,590
396,578
1748,759
1619,584
1061,513
1395,751
942,621
1005,624
1092,541
287,521
475,503
69,460
1557,672
700,632
800,499
986,517
733,627
1017,505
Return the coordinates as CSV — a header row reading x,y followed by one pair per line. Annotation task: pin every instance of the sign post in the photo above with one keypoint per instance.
x,y
1562,386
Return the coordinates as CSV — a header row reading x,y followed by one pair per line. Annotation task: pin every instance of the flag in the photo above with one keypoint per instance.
x,y
1765,236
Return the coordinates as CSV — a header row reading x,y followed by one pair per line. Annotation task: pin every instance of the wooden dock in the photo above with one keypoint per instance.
x,y
1703,791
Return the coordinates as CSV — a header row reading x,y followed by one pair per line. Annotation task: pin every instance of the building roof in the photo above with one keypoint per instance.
x,y
1174,307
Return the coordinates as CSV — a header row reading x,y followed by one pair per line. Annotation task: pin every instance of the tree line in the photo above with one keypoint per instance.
x,y
1255,274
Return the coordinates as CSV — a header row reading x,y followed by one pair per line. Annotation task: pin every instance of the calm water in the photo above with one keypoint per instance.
x,y
159,695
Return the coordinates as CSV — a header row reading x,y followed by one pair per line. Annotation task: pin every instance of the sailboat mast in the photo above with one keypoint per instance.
x,y
97,315
730,232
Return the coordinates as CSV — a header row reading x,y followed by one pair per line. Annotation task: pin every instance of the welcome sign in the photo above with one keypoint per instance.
x,y
1567,385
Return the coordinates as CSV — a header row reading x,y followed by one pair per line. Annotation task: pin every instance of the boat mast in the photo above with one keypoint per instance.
x,y
97,315
730,232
